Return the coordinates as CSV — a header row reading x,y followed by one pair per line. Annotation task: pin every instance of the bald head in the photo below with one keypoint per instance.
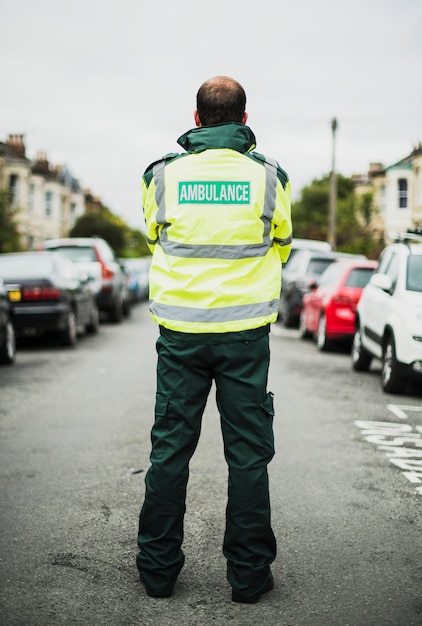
x,y
220,100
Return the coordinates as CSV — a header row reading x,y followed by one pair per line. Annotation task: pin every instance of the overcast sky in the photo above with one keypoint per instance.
x,y
106,87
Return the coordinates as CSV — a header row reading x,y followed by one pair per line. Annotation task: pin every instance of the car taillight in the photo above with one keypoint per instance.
x,y
40,293
106,272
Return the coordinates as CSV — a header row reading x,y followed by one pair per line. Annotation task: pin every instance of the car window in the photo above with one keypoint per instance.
x,y
383,262
66,268
414,273
294,261
392,269
359,277
330,275
31,266
317,266
77,254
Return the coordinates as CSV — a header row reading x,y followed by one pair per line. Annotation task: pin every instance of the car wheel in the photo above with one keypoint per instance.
x,y
127,308
286,314
361,359
69,335
321,336
116,313
8,349
391,380
94,321
303,331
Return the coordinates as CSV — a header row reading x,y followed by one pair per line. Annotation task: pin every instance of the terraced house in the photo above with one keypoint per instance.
x,y
47,199
397,192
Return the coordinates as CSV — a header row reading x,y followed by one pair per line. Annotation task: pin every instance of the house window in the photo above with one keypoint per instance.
x,y
48,203
383,199
402,187
31,198
13,190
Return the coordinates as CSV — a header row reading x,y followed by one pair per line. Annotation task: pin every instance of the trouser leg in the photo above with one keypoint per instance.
x,y
246,411
183,385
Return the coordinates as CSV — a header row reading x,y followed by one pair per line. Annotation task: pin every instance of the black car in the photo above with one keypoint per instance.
x,y
7,332
47,295
298,276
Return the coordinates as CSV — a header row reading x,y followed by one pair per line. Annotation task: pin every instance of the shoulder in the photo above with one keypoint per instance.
x,y
165,160
282,175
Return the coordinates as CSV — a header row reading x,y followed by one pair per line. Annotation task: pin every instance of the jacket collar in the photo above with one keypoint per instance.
x,y
232,135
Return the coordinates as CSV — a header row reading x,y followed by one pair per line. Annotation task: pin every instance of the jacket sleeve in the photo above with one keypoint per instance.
x,y
150,208
282,222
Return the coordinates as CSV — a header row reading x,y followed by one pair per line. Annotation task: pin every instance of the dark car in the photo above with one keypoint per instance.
x,y
138,274
329,309
7,332
304,269
47,295
95,257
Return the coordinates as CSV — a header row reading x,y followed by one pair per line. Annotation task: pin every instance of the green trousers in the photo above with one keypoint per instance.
x,y
187,365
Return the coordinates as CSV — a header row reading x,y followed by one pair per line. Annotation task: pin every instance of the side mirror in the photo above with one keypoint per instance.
x,y
382,281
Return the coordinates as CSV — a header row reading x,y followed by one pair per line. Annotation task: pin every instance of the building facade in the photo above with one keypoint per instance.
x,y
47,200
397,193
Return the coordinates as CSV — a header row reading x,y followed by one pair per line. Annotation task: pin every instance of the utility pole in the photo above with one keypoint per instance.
x,y
333,191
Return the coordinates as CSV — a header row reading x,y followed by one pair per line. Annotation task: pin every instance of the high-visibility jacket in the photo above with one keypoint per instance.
x,y
218,223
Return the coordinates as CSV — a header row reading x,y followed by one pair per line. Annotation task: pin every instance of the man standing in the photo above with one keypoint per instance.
x,y
218,224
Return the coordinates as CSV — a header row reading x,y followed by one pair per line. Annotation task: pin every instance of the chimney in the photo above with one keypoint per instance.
x,y
41,164
375,168
16,142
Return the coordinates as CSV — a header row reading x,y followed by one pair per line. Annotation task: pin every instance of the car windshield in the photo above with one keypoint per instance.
x,y
359,277
25,266
317,266
414,272
77,254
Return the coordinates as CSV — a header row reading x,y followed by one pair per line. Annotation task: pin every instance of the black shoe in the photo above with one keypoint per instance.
x,y
157,594
236,597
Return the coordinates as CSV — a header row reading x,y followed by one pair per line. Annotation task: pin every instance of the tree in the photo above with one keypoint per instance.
x,y
310,215
9,233
124,240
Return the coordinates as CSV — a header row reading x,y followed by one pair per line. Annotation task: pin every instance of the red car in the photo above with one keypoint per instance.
x,y
328,312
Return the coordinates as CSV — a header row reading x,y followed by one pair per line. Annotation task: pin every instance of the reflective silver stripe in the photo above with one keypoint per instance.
x,y
173,248
216,251
284,242
160,196
224,314
270,196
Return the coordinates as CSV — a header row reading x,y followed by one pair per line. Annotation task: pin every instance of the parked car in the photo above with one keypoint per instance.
x,y
389,318
7,332
328,312
95,257
304,269
306,244
47,295
138,270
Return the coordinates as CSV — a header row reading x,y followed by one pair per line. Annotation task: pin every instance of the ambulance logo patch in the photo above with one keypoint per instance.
x,y
219,192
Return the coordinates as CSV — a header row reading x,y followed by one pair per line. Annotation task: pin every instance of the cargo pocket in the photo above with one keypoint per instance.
x,y
268,408
160,429
168,430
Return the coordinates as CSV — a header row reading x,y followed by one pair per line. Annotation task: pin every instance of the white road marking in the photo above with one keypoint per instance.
x,y
401,444
397,411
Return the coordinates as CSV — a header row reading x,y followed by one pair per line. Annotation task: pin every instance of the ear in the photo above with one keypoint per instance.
x,y
245,118
196,118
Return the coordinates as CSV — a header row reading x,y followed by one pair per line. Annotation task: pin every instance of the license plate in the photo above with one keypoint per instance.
x,y
14,295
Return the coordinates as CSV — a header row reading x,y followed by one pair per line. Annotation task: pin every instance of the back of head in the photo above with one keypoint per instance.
x,y
220,100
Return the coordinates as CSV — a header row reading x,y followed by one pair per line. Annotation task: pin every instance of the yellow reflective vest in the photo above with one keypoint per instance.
x,y
219,227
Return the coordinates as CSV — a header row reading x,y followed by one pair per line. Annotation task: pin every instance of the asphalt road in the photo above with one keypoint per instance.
x,y
346,485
